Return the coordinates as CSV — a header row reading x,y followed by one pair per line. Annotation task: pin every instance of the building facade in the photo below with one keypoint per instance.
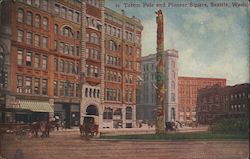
x,y
146,110
217,103
187,95
68,58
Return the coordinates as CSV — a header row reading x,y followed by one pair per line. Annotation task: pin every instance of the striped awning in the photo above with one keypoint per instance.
x,y
35,106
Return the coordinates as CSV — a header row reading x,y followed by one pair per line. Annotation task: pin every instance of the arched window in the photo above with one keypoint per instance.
x,y
67,31
118,113
45,23
94,38
29,18
20,17
37,21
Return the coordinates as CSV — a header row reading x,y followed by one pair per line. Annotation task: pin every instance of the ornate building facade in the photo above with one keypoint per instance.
x,y
146,110
187,95
68,58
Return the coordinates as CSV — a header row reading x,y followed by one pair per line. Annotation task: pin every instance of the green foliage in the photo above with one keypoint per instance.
x,y
231,126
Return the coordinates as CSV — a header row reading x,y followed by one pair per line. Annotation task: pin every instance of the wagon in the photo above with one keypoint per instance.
x,y
90,126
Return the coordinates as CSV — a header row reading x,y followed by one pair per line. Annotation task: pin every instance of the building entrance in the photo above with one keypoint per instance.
x,y
92,110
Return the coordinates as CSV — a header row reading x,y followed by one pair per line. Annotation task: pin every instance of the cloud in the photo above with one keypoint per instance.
x,y
212,42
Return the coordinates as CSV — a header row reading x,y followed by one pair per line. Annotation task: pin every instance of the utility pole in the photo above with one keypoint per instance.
x,y
160,94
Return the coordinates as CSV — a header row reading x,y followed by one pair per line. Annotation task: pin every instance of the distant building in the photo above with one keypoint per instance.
x,y
223,102
146,110
187,95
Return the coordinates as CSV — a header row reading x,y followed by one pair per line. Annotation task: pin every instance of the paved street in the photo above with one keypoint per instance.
x,y
69,145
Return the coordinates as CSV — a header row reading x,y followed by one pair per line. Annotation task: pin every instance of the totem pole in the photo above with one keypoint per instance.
x,y
160,95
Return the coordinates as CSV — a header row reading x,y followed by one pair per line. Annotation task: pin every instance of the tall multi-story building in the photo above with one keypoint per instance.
x,y
187,95
146,110
216,103
68,58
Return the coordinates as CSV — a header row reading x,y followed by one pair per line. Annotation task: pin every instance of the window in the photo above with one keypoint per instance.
x,y
55,64
61,66
55,29
19,35
66,31
20,57
28,85
108,113
63,12
70,15
19,84
55,88
37,40
138,53
66,88
45,62
94,38
55,45
28,2
20,16
66,69
37,21
45,5
37,86
37,61
77,90
71,68
45,23
61,88
29,18
76,17
77,68
172,85
28,59
77,35
86,92
45,42
66,49
37,3
71,50
57,9
44,87
172,97
61,47
77,51
129,113
29,38
71,89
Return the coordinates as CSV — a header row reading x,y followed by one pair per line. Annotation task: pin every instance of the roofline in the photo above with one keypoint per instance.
x,y
200,78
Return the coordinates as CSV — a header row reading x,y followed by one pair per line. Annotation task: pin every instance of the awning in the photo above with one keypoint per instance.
x,y
36,106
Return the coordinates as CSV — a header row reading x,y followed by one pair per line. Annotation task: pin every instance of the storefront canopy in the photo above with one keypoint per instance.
x,y
36,106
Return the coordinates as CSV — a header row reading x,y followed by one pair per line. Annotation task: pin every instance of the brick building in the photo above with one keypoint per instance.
x,y
53,48
218,102
187,95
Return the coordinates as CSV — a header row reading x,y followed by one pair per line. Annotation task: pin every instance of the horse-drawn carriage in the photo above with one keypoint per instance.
x,y
90,126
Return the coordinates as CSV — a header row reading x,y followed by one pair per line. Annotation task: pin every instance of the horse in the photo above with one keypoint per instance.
x,y
34,128
88,129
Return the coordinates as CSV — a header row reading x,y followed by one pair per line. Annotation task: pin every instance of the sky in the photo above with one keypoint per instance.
x,y
211,41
